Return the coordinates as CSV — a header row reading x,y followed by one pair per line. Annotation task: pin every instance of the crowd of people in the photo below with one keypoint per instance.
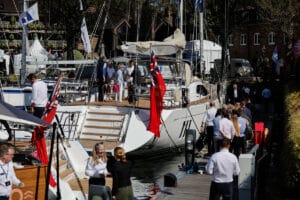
x,y
112,81
227,129
232,122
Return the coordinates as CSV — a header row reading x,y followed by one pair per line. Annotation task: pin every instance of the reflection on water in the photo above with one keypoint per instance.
x,y
149,171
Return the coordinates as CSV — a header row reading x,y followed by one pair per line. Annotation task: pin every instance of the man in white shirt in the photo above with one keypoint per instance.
x,y
7,173
226,126
209,116
39,96
222,166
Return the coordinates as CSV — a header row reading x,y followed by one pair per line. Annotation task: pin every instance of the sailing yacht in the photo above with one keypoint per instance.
x,y
83,122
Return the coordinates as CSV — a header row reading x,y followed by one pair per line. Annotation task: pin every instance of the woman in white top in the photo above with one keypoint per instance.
x,y
96,165
120,82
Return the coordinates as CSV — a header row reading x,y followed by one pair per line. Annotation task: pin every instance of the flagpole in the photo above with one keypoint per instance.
x,y
23,60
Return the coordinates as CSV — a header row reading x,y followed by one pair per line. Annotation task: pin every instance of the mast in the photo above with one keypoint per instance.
x,y
181,15
225,47
23,60
202,64
138,21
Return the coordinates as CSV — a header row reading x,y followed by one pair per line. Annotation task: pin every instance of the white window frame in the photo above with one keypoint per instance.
x,y
243,39
256,39
271,38
230,40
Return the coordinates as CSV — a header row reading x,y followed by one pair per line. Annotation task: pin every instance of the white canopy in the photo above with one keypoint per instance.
x,y
207,45
37,50
170,45
36,53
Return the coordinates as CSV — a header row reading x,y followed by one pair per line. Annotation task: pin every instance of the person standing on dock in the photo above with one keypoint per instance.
x,y
226,125
120,169
7,173
222,166
208,118
39,96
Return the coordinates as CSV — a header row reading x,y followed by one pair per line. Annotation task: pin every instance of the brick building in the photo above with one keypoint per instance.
x,y
253,39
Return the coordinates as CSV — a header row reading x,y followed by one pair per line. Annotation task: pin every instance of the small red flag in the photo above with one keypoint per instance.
x,y
157,92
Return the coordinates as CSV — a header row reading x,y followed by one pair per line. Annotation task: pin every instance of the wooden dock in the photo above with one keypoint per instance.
x,y
190,187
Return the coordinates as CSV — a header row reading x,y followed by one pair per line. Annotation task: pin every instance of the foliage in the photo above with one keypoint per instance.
x,y
11,36
290,155
282,14
77,55
13,20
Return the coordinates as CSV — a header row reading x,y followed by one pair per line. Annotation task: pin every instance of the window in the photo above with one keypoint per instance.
x,y
256,39
201,90
271,38
243,40
230,40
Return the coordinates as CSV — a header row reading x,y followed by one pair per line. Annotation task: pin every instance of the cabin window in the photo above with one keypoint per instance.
x,y
256,39
243,39
201,90
271,38
142,70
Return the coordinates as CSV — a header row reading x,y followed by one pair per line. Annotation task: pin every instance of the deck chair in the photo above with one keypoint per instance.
x,y
99,192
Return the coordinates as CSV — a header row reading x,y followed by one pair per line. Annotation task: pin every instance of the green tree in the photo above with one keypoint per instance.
x,y
280,14
66,14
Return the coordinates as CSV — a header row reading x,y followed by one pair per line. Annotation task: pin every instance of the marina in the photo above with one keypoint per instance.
x,y
146,91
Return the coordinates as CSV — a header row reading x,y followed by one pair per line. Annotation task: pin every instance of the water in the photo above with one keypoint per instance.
x,y
150,171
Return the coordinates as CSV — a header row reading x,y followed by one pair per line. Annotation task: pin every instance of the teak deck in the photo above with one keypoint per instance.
x,y
34,178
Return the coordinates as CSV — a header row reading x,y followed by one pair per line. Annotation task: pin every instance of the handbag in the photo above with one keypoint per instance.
x,y
116,87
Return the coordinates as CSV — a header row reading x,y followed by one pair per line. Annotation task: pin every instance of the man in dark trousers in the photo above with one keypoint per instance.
x,y
223,165
101,77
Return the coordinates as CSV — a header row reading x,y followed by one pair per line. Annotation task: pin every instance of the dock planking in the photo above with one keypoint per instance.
x,y
190,187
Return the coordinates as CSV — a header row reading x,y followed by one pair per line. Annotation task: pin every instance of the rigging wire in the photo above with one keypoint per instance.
x,y
103,29
98,19
16,7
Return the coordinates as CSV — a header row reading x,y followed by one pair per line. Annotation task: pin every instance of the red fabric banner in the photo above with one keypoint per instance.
x,y
157,92
38,136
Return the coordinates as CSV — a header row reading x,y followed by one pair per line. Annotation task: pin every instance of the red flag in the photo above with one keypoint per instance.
x,y
38,137
157,92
